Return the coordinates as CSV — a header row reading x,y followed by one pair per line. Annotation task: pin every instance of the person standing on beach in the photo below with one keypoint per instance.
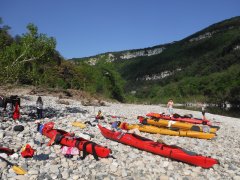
x,y
204,110
39,105
16,113
170,107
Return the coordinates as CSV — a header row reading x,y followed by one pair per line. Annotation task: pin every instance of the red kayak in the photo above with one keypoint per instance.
x,y
64,138
172,152
179,118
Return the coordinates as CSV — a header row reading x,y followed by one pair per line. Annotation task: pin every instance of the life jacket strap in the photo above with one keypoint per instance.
x,y
85,153
58,138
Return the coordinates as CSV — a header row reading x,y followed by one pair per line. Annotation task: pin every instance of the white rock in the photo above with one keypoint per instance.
x,y
165,164
21,177
236,178
65,174
32,171
54,168
3,165
124,173
75,177
14,156
113,168
164,177
2,134
54,176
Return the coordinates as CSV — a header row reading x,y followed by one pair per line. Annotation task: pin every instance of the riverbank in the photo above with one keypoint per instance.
x,y
130,163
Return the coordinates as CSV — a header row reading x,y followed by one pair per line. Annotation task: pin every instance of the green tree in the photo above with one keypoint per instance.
x,y
5,37
21,59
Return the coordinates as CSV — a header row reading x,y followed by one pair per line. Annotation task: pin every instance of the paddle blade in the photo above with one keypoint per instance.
x,y
19,170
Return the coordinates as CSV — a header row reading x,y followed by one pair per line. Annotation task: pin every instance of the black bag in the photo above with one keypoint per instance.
x,y
18,128
12,100
188,116
176,115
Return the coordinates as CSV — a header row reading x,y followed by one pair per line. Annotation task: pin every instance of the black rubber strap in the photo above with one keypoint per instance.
x,y
94,151
111,156
145,121
163,145
77,144
38,127
8,162
170,155
85,153
88,122
156,119
58,139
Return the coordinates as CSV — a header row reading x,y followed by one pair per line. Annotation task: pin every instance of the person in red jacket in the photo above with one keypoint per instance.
x,y
16,113
58,136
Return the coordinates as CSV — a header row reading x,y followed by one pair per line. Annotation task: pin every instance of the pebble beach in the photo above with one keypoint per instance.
x,y
128,162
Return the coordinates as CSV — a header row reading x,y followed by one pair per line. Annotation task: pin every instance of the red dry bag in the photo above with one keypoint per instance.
x,y
27,151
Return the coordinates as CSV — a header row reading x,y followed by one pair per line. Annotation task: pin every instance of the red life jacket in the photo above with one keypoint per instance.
x,y
64,138
28,151
16,114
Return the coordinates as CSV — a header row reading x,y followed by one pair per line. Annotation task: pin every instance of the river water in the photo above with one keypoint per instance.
x,y
231,112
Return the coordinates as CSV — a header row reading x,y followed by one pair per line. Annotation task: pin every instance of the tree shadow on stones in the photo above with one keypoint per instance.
x,y
75,110
48,112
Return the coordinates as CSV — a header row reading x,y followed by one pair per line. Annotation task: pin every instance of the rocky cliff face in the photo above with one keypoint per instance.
x,y
203,36
158,76
146,52
125,55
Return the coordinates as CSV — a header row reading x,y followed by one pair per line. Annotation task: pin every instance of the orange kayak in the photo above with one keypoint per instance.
x,y
165,131
177,124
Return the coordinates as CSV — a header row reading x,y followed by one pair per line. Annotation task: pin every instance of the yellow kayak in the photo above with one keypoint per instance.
x,y
165,131
79,124
175,124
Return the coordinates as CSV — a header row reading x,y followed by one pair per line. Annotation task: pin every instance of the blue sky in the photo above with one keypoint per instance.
x,y
86,28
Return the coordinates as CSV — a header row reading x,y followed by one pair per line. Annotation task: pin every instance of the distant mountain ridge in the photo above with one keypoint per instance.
x,y
123,55
192,67
149,51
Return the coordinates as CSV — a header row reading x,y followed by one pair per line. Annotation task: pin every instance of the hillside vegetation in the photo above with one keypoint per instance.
x,y
202,67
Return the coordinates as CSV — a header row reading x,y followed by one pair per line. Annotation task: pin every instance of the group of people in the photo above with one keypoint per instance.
x,y
171,112
15,104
